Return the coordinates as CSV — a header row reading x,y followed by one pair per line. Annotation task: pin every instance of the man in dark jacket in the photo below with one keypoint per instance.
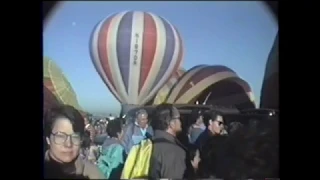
x,y
214,127
168,159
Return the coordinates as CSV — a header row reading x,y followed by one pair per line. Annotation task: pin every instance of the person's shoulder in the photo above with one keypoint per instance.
x,y
204,135
167,146
129,125
118,146
196,130
91,170
174,151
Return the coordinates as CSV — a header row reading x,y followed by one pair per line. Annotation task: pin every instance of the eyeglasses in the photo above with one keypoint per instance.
x,y
61,138
219,122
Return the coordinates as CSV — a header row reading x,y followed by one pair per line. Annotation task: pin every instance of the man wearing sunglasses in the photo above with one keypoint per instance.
x,y
214,127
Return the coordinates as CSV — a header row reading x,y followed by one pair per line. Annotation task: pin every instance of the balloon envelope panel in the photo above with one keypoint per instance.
x,y
135,53
196,80
164,91
49,99
58,84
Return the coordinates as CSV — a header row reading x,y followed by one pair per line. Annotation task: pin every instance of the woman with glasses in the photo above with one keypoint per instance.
x,y
64,130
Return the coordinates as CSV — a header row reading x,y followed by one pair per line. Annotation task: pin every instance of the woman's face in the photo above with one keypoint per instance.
x,y
64,142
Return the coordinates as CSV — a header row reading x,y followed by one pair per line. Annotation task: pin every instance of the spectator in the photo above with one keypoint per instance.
x,y
251,153
209,155
64,130
112,156
214,127
168,159
135,132
198,127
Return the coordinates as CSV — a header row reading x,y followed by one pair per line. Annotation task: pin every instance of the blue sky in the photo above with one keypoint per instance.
x,y
235,34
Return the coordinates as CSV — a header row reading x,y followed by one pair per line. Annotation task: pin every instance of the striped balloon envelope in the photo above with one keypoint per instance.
x,y
227,92
135,54
164,91
49,99
196,80
55,81
270,86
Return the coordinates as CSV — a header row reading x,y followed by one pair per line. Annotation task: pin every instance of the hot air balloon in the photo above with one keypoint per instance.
x,y
49,99
195,85
164,91
234,92
270,86
135,53
58,85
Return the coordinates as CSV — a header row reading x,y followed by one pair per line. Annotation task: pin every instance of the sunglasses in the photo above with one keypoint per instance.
x,y
220,123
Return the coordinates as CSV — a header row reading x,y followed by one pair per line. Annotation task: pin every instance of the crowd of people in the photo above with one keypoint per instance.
x,y
78,148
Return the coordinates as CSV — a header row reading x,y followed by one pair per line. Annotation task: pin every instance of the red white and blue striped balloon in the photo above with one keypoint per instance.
x,y
135,54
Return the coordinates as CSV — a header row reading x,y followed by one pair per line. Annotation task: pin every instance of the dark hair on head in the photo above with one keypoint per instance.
x,y
114,127
95,123
195,114
251,152
63,111
212,116
89,120
162,116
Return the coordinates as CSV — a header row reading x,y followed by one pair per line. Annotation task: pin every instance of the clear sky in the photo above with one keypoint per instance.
x,y
235,34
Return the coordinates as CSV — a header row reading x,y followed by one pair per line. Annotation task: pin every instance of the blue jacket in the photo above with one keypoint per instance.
x,y
195,132
133,135
100,139
112,159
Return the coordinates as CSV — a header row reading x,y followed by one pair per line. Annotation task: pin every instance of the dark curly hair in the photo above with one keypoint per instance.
x,y
212,116
251,152
195,114
114,127
63,111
